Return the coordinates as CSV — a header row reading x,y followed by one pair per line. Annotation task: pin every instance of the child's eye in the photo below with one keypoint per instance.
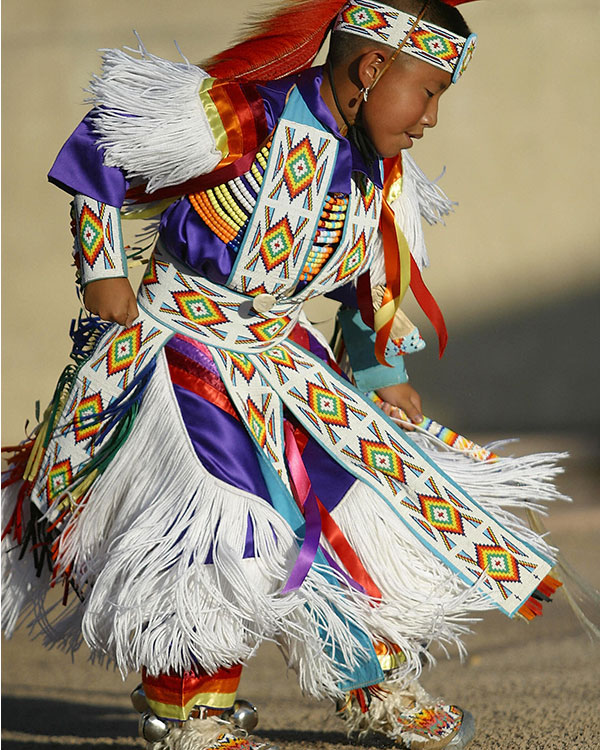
x,y
429,93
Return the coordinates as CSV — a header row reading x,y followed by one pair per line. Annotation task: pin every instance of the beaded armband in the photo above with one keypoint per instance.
x,y
99,247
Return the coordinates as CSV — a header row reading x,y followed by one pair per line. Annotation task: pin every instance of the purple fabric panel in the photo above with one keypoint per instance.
x,y
317,348
79,168
221,443
329,480
190,240
194,350
346,295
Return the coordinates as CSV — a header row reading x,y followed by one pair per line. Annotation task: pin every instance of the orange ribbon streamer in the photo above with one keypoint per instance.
x,y
397,274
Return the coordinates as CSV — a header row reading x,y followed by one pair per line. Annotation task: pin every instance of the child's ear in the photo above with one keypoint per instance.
x,y
369,67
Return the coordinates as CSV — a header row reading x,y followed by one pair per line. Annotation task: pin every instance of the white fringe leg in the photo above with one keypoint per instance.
x,y
139,546
20,583
423,600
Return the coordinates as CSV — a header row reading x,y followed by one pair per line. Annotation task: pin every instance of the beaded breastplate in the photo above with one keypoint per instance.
x,y
282,221
227,208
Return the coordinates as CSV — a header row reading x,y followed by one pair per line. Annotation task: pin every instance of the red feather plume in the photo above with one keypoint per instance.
x,y
454,3
284,43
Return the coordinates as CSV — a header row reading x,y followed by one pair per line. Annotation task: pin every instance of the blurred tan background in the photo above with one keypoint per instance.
x,y
516,270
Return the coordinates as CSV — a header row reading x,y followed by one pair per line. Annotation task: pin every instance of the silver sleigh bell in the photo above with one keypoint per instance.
x,y
243,714
151,728
138,699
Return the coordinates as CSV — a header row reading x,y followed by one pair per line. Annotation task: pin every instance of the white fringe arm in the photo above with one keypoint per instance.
x,y
150,119
141,541
433,203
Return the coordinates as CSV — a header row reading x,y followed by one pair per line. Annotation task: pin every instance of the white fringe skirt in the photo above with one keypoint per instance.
x,y
159,549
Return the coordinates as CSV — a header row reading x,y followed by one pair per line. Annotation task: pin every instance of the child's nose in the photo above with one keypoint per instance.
x,y
430,116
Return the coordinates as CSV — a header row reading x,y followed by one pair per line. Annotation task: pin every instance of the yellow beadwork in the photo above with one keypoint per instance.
x,y
261,157
219,210
233,209
256,173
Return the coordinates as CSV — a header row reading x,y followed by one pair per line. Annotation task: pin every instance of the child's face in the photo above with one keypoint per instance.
x,y
402,104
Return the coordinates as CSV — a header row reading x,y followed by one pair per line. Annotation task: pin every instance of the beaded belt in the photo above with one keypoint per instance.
x,y
217,316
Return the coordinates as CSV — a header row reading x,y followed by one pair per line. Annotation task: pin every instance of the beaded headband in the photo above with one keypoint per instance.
x,y
421,39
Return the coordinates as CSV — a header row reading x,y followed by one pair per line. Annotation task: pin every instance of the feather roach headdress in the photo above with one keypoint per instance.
x,y
285,42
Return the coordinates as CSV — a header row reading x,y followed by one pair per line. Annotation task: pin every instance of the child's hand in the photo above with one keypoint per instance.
x,y
112,300
402,396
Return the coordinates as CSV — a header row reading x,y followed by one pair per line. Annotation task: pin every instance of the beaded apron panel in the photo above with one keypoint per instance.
x,y
119,357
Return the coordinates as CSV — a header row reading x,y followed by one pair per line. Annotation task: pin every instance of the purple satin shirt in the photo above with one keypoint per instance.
x,y
79,168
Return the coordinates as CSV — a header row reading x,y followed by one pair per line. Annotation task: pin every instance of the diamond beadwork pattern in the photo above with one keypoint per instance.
x,y
85,421
124,349
353,260
498,562
441,514
269,329
243,365
300,168
380,457
91,235
198,308
364,18
434,44
327,405
256,423
59,478
277,244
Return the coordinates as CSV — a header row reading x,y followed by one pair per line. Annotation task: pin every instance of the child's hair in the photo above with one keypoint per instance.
x,y
345,46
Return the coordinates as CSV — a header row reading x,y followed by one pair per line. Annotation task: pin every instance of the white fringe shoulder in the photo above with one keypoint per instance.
x,y
150,120
420,197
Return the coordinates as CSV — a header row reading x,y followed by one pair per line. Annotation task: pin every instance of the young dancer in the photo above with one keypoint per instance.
x,y
206,477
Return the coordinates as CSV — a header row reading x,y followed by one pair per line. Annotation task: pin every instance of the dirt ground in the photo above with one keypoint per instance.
x,y
530,687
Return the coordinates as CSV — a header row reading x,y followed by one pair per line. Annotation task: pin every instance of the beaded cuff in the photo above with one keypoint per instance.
x,y
98,240
359,341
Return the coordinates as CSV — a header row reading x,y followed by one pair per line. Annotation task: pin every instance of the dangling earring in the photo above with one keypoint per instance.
x,y
365,92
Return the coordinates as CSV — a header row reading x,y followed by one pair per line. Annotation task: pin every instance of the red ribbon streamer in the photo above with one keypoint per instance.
x,y
428,304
